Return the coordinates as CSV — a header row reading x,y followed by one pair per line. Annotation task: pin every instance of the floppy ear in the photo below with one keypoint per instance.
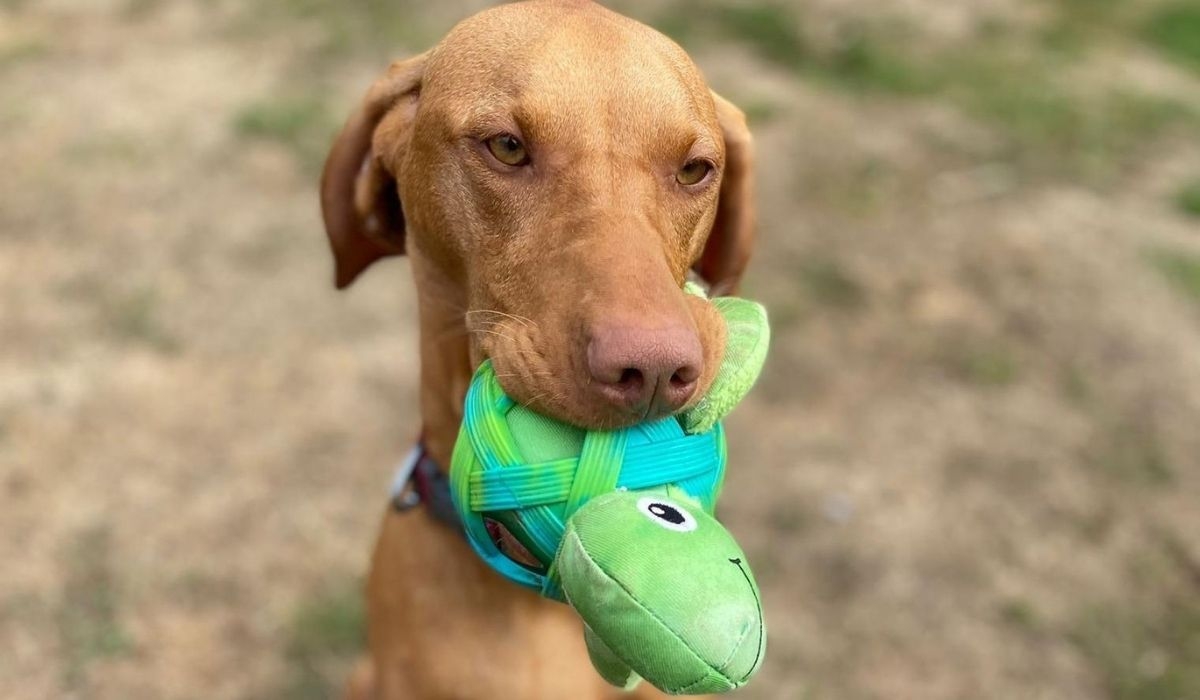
x,y
732,238
359,200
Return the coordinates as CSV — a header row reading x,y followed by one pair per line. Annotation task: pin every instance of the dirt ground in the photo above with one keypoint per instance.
x,y
971,471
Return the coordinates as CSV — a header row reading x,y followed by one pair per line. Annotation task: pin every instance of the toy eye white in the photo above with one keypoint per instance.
x,y
667,514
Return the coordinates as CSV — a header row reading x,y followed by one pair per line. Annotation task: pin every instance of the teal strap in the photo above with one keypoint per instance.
x,y
599,466
545,483
488,475
467,453
494,446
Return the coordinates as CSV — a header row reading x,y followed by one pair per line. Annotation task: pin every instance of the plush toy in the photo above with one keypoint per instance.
x,y
622,523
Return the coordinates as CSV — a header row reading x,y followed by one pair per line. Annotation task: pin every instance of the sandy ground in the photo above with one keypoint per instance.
x,y
973,468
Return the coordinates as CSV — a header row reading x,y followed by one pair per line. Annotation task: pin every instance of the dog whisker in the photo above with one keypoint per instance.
x,y
503,336
525,321
535,397
521,375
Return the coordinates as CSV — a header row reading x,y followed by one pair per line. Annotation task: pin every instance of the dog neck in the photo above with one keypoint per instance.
x,y
446,364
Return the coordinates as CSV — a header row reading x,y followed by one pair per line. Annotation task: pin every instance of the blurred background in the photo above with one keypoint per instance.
x,y
971,471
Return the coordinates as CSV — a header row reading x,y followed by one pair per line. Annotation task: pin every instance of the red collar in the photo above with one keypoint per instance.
x,y
419,479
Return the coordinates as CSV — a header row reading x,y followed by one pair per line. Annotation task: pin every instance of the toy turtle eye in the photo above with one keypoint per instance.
x,y
667,514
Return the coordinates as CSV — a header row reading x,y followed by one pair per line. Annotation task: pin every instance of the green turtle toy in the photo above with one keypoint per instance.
x,y
622,523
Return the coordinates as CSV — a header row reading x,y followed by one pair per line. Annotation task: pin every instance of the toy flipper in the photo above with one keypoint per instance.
x,y
748,335
607,664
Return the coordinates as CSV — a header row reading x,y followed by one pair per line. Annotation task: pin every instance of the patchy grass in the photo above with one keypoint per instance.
x,y
140,9
1020,614
862,63
1130,449
979,361
136,317
1175,31
829,364
963,465
1181,270
89,619
1076,24
770,30
107,148
790,519
868,187
304,125
373,30
1075,386
1144,654
829,284
284,121
760,111
19,51
1146,645
1047,127
994,366
1015,97
1187,200
198,588
773,31
326,632
1089,11
1001,79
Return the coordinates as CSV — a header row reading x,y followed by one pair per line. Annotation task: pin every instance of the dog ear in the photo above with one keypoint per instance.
x,y
361,207
732,238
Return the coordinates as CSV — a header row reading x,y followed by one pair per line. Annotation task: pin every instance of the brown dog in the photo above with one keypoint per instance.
x,y
553,170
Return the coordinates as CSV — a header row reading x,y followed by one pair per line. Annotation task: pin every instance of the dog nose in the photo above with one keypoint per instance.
x,y
650,371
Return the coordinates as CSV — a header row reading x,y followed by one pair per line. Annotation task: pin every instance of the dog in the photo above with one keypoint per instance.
x,y
554,172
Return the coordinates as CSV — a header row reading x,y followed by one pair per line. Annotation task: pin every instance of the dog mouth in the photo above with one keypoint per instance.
x,y
557,384
601,375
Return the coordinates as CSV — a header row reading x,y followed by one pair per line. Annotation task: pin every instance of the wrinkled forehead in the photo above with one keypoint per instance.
x,y
565,70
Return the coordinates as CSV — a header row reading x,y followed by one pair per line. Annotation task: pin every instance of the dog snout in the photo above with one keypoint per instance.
x,y
647,371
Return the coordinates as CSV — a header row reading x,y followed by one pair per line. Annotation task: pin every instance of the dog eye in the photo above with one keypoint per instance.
x,y
667,514
693,172
508,149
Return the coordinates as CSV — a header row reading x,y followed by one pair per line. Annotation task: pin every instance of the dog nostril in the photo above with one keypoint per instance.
x,y
684,376
631,378
650,372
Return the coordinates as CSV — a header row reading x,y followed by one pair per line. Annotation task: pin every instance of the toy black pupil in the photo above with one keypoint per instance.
x,y
667,513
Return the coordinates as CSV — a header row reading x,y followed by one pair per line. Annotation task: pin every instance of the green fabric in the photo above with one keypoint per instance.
x,y
622,522
679,608
610,668
543,439
747,336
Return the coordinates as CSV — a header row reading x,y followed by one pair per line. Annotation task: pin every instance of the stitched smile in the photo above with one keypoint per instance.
x,y
758,603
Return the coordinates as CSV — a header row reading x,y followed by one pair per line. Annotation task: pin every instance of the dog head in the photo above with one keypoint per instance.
x,y
563,167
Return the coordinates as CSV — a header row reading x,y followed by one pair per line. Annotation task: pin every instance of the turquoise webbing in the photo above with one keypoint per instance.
x,y
488,476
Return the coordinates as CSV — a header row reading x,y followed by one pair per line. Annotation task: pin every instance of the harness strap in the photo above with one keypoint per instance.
x,y
419,480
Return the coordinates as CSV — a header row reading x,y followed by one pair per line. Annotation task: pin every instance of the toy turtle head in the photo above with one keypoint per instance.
x,y
664,591
622,523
